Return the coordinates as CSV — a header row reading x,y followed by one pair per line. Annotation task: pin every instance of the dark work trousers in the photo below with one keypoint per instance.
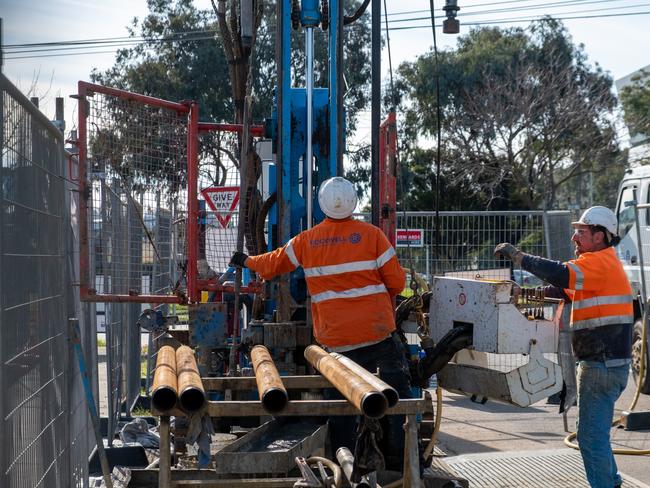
x,y
388,356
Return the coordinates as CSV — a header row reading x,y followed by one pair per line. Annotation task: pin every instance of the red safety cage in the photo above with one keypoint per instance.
x,y
141,218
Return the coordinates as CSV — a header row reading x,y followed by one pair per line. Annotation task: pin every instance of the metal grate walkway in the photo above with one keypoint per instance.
x,y
533,469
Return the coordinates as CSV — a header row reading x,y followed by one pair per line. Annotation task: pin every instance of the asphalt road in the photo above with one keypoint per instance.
x,y
471,428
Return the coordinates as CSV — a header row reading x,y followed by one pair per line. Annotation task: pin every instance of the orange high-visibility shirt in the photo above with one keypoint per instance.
x,y
352,273
600,291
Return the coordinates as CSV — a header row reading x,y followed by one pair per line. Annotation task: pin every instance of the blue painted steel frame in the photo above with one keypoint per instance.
x,y
293,133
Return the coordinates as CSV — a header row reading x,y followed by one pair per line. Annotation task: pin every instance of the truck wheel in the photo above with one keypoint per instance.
x,y
637,335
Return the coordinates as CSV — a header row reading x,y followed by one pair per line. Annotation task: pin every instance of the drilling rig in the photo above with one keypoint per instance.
x,y
156,237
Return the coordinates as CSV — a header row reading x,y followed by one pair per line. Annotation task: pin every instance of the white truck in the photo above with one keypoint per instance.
x,y
635,186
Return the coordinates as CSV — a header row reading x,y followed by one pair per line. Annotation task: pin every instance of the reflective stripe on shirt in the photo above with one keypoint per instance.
x,y
579,276
340,268
291,254
385,257
332,269
598,321
351,293
602,300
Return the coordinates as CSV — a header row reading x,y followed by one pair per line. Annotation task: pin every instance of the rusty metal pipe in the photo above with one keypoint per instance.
x,y
371,402
272,393
389,392
164,392
191,394
346,461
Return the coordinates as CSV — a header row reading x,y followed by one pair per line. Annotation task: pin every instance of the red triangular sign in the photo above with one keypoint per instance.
x,y
223,200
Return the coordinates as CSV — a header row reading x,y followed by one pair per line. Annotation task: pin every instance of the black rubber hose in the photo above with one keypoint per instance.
x,y
438,356
354,17
261,220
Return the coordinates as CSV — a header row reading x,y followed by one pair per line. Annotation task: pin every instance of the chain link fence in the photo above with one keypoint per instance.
x,y
44,425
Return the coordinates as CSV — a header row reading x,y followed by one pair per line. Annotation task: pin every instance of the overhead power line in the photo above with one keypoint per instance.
x,y
525,19
55,48
538,7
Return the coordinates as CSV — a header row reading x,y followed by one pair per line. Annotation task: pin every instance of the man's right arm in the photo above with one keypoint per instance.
x,y
274,263
554,272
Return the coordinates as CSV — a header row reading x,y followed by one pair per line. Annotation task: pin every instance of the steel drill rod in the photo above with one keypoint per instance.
x,y
389,392
191,394
346,461
164,392
371,402
272,393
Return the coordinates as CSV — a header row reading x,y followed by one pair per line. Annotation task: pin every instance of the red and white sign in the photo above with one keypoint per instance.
x,y
223,200
410,237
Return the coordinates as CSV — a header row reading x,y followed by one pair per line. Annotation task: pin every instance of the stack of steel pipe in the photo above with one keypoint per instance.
x,y
389,392
365,397
272,393
191,395
164,393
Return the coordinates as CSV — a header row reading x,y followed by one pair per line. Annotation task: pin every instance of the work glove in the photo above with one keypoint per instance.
x,y
238,259
510,252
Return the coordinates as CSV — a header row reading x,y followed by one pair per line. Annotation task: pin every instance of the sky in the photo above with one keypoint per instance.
x,y
614,33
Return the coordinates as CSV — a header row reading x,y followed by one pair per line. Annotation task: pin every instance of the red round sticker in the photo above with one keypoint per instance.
x,y
462,299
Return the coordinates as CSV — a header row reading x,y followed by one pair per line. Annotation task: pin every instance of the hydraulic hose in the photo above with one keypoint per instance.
x,y
438,356
347,20
261,220
333,467
436,425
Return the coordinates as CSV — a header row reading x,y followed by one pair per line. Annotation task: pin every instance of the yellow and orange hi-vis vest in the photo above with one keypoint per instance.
x,y
602,313
352,273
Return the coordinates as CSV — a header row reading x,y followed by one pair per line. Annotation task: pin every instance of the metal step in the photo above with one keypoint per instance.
x,y
533,469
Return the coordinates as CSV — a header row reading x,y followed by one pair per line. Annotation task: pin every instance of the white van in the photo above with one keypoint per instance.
x,y
635,186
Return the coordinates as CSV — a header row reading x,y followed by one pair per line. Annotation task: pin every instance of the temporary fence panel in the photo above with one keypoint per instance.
x,y
463,242
43,416
133,153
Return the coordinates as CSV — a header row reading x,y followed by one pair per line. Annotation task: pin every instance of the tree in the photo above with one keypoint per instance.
x,y
522,113
635,98
183,56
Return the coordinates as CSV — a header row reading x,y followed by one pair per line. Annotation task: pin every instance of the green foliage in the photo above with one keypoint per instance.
x,y
191,66
636,104
522,113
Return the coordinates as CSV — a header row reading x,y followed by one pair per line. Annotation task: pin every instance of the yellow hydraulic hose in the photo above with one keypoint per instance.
x,y
436,425
642,367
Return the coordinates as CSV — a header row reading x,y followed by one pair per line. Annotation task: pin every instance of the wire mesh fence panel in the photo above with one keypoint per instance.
x,y
44,444
134,151
463,242
219,183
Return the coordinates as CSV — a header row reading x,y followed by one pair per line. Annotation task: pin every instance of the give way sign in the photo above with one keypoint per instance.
x,y
223,200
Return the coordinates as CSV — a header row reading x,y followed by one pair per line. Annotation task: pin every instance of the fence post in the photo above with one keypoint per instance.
x,y
547,237
3,452
75,340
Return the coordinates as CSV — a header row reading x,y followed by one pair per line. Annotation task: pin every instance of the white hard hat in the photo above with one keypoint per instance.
x,y
599,216
337,198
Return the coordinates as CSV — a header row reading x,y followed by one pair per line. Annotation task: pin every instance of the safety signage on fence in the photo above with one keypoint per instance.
x,y
409,237
223,200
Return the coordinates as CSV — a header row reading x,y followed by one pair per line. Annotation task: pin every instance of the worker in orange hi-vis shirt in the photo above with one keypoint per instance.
x,y
602,317
352,275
